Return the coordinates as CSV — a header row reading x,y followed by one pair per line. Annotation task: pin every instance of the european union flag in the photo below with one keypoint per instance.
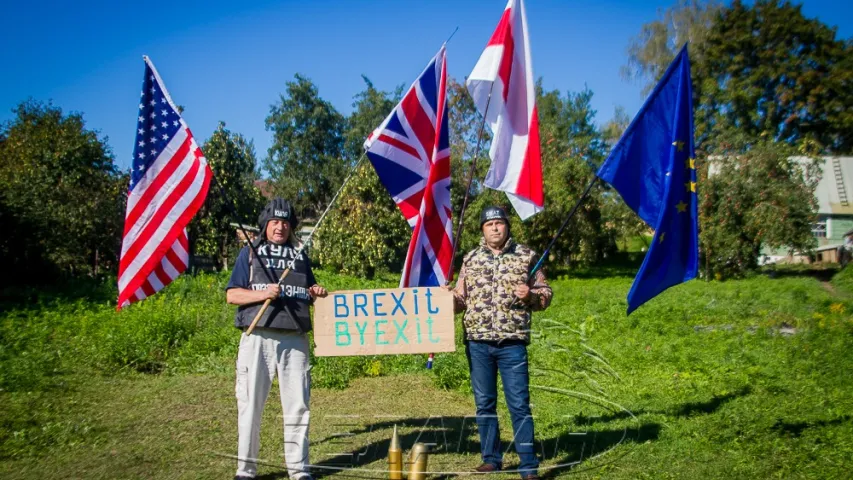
x,y
652,167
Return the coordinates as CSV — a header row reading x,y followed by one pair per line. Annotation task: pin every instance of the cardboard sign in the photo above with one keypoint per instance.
x,y
384,322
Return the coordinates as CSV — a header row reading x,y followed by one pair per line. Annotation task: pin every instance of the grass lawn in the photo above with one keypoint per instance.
x,y
736,379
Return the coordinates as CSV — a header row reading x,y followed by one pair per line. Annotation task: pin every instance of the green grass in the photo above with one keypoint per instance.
x,y
737,379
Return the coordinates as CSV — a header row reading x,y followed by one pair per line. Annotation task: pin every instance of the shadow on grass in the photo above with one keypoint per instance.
x,y
595,443
272,476
795,429
620,264
685,410
458,435
818,272
711,405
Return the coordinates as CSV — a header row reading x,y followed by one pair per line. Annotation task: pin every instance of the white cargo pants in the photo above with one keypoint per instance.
x,y
263,354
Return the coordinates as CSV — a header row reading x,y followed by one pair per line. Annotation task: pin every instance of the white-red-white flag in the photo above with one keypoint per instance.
x,y
502,87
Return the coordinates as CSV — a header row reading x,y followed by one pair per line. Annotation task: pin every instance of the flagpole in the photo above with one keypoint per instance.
x,y
468,186
571,214
465,202
286,272
233,210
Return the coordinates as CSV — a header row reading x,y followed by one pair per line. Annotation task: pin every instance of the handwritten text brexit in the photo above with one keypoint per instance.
x,y
384,331
384,322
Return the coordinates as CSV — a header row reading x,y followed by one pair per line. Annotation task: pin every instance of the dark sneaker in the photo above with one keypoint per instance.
x,y
487,468
532,476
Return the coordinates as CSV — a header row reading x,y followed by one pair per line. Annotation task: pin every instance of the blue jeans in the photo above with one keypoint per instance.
x,y
485,359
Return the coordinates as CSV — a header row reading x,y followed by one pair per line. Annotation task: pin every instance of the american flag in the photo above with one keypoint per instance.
x,y
168,185
411,154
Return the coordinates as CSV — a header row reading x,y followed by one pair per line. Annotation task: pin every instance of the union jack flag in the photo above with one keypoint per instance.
x,y
168,184
411,154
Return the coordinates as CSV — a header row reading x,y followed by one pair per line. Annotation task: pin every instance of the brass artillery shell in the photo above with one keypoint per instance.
x,y
395,458
418,462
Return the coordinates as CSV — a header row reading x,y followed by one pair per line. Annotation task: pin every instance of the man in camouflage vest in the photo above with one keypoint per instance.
x,y
279,344
496,294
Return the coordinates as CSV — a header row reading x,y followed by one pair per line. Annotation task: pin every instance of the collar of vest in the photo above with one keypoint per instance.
x,y
507,245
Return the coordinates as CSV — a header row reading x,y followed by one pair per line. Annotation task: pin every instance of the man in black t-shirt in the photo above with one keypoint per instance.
x,y
279,343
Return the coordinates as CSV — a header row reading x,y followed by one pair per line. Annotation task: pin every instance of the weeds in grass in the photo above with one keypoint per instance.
x,y
743,378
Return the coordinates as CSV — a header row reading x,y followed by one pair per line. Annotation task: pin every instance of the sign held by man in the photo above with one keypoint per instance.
x,y
383,322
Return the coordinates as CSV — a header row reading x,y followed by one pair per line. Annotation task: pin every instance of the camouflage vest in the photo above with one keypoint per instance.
x,y
489,282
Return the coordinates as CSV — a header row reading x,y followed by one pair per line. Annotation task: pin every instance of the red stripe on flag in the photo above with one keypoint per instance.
x,y
161,274
177,228
155,186
182,239
147,288
501,30
176,261
154,222
411,206
398,144
503,36
530,179
419,121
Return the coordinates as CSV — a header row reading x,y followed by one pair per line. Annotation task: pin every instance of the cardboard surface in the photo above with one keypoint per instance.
x,y
384,322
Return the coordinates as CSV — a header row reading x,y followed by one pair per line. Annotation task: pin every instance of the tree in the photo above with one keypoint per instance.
x,y
618,217
232,159
62,199
760,194
305,161
771,73
572,149
652,50
364,232
763,69
614,128
465,123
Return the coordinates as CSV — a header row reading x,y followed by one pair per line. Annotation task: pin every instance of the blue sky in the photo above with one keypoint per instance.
x,y
227,60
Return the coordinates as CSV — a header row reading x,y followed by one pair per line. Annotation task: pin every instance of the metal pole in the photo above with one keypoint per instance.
x,y
468,188
301,247
544,255
571,214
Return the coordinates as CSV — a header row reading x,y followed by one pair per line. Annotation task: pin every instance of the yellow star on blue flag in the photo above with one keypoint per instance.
x,y
652,168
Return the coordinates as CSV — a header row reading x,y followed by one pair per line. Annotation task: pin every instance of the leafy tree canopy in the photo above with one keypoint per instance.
x,y
232,192
61,196
305,161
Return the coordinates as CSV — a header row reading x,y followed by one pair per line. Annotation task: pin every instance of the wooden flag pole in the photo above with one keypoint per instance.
x,y
307,241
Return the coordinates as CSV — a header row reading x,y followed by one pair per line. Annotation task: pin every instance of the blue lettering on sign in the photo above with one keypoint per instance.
x,y
379,333
429,303
401,332
415,294
361,329
341,302
342,332
398,303
377,304
429,329
359,305
372,309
